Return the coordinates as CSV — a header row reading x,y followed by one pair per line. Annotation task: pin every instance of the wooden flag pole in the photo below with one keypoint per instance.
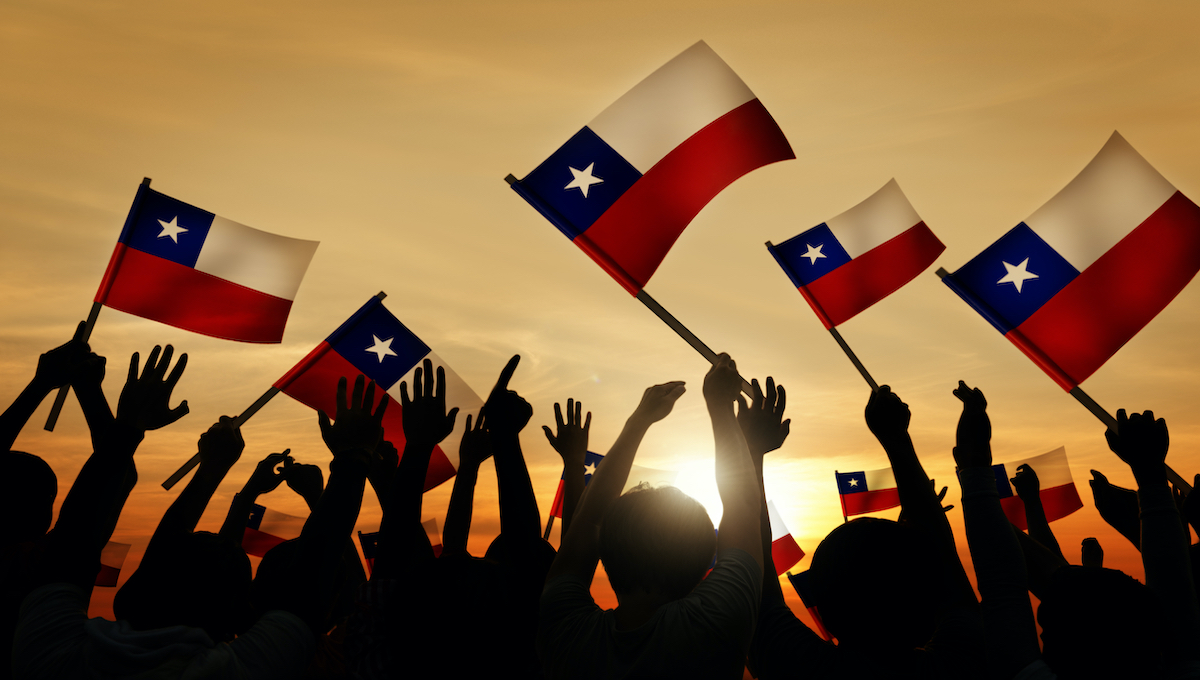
x,y
241,419
854,359
549,525
684,333
1105,417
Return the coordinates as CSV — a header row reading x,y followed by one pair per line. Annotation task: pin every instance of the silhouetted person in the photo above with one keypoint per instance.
x,y
570,440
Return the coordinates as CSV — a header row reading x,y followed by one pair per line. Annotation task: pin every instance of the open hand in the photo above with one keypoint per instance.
x,y
355,428
476,445
145,399
762,421
571,442
426,422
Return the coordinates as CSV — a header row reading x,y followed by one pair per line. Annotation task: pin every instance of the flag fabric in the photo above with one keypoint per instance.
x,y
590,461
1083,274
652,476
856,259
112,558
374,343
267,528
186,267
867,491
785,552
1058,493
370,542
804,589
625,186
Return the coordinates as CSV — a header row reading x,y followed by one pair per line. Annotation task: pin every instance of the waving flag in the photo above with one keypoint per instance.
x,y
867,491
590,461
186,267
374,343
785,551
1058,493
627,184
266,529
804,589
370,542
1073,283
856,259
112,558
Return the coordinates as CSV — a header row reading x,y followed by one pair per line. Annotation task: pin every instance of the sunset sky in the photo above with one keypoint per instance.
x,y
384,130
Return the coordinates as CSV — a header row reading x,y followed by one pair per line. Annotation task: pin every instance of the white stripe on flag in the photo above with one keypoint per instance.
x,y
883,216
778,528
651,476
1115,193
670,105
265,262
877,480
281,525
458,393
1051,468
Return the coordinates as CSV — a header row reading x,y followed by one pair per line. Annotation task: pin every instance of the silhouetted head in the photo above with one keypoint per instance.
x,y
656,540
200,580
875,583
26,495
1100,623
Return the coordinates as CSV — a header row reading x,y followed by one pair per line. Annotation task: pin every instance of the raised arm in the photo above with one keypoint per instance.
x,y
571,443
1029,491
507,415
267,477
56,368
737,481
475,448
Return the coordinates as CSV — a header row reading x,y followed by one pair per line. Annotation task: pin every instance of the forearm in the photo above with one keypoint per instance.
x,y
402,540
323,540
573,486
94,405
234,526
184,513
21,410
738,485
460,510
917,497
1167,561
1039,526
519,517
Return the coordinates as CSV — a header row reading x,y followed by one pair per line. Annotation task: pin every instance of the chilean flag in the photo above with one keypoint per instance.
x,y
1073,283
374,343
186,267
856,259
1058,493
112,558
867,491
590,461
266,529
370,542
627,184
804,589
785,552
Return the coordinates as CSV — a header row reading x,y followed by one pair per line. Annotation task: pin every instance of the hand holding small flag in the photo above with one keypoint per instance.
x,y
221,446
62,365
1142,442
887,415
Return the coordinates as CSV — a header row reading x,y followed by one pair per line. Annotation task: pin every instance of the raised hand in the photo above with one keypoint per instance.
x,y
507,411
1118,506
571,442
222,444
1091,553
306,480
1026,483
657,401
722,384
476,445
762,421
145,399
974,448
1142,442
426,422
269,473
64,364
355,428
382,468
887,416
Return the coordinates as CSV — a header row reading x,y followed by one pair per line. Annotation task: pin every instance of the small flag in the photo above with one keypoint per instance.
x,y
867,491
186,267
112,558
374,343
370,542
627,184
1074,282
856,259
804,589
590,461
1058,493
266,529
785,552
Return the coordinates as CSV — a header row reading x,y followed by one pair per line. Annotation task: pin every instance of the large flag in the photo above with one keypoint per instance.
x,y
627,184
590,461
1058,493
267,528
856,259
867,491
785,551
112,558
374,343
804,589
1083,274
191,269
370,542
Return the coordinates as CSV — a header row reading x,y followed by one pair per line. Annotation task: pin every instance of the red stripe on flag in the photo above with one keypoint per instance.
x,y
633,236
785,553
556,507
257,543
1057,501
170,293
316,387
1106,305
107,576
869,501
872,276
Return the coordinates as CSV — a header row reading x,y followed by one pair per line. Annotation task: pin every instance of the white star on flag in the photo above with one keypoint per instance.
x,y
814,254
853,482
1017,274
584,179
589,469
171,229
381,348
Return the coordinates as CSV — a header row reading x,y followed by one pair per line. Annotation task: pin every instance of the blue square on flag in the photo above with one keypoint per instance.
x,y
1002,485
254,521
582,180
851,482
377,344
811,255
1015,276
170,229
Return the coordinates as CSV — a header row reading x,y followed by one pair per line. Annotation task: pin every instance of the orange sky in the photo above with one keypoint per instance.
x,y
384,130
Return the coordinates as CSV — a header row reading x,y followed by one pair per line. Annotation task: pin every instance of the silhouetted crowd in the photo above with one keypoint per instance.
x,y
893,594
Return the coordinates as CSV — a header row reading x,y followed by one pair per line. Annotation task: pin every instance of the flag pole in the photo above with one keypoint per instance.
x,y
854,359
842,503
241,419
688,337
549,525
1105,417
